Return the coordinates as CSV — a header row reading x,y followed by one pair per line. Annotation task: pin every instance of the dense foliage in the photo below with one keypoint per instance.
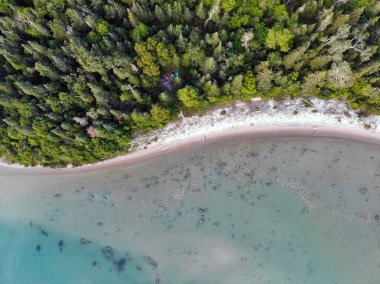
x,y
78,78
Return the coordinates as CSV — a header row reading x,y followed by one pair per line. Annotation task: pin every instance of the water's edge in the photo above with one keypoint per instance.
x,y
228,135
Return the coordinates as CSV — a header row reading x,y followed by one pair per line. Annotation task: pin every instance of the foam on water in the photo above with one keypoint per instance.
x,y
280,211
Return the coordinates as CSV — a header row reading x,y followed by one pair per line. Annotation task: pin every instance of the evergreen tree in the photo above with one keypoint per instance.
x,y
278,37
212,91
249,84
189,96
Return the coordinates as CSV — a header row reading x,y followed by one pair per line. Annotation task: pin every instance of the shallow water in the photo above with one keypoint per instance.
x,y
282,211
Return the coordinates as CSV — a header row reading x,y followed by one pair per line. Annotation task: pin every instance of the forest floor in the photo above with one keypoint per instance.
x,y
254,119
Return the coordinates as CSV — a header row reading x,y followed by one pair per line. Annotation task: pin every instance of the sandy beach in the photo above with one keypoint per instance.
x,y
235,134
257,119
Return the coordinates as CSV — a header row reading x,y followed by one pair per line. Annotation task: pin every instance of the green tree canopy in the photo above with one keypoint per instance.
x,y
279,37
189,96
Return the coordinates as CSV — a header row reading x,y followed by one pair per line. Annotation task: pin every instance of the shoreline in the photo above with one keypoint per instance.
x,y
257,118
248,133
264,132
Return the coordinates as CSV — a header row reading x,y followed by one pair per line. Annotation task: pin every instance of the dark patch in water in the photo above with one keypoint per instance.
x,y
215,187
260,196
304,210
84,241
363,190
153,265
43,232
106,196
151,261
57,195
120,264
107,252
61,245
202,210
38,248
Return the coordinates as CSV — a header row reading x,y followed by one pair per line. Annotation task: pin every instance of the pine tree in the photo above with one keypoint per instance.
x,y
181,43
189,96
313,82
249,84
132,18
279,38
212,91
340,74
200,11
320,62
294,59
159,13
209,65
264,77
177,11
236,85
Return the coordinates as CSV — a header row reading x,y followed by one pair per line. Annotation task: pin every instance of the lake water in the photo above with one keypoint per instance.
x,y
288,211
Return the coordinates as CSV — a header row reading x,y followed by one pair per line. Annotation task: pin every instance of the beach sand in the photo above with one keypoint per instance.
x,y
234,134
237,134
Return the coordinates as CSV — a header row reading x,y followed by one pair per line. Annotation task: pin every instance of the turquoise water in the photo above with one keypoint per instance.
x,y
281,211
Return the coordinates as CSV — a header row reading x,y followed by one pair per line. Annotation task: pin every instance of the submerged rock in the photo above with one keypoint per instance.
x,y
363,190
43,232
151,261
120,264
61,245
108,252
84,241
94,263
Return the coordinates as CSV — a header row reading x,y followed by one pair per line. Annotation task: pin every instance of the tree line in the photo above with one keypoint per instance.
x,y
80,78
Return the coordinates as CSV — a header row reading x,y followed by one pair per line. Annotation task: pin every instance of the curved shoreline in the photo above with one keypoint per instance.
x,y
229,135
258,118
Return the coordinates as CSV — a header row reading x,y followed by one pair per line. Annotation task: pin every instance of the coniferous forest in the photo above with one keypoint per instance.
x,y
79,78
